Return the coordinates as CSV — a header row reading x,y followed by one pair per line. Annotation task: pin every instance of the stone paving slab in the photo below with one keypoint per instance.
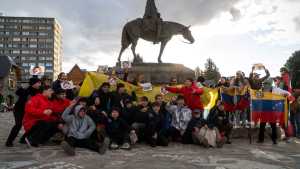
x,y
239,155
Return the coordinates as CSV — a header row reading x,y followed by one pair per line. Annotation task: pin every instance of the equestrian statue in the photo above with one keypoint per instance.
x,y
152,28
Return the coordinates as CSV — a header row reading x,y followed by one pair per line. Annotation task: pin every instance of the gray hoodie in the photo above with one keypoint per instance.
x,y
80,128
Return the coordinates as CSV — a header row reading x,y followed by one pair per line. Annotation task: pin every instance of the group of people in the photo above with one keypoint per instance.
x,y
118,119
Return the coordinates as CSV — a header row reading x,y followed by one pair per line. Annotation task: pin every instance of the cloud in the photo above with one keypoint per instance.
x,y
297,23
91,26
236,14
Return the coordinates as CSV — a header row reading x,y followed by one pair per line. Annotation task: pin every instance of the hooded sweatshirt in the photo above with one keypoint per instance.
x,y
79,127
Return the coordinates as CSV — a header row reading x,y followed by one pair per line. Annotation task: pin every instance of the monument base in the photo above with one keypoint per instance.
x,y
161,73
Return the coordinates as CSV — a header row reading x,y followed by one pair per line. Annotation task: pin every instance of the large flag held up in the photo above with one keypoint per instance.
x,y
268,107
93,80
235,98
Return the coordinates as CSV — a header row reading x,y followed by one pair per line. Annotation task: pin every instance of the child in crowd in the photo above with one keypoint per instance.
x,y
181,115
118,131
155,134
81,127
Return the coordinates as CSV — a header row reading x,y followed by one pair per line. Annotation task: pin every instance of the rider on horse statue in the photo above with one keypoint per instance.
x,y
152,19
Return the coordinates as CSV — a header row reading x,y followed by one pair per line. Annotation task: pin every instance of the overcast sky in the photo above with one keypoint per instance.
x,y
234,33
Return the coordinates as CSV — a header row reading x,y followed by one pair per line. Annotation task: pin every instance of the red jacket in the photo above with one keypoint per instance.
x,y
34,111
58,107
191,95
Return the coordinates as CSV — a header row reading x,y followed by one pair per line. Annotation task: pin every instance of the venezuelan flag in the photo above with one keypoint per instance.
x,y
268,107
235,98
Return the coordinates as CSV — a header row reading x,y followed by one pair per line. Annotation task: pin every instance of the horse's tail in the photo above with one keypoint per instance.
x,y
125,37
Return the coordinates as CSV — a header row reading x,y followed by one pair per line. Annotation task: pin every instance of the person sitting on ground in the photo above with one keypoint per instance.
x,y
105,96
167,120
99,116
81,127
154,132
59,103
119,96
181,115
128,112
191,94
140,118
196,122
38,122
218,118
208,137
118,131
19,108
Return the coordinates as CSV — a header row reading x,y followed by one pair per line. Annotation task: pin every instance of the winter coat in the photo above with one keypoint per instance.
x,y
79,127
217,118
34,111
105,99
180,116
257,84
117,127
58,107
98,117
23,96
191,95
140,116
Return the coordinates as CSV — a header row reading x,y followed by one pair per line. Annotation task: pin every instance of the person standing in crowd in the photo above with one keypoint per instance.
x,y
295,117
38,122
154,132
191,94
128,111
200,81
105,96
81,127
62,78
285,83
256,83
19,108
223,82
118,131
181,115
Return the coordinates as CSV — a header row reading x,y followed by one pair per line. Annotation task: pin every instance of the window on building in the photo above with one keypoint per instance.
x,y
25,64
42,58
41,64
16,39
48,64
23,58
32,64
49,70
9,45
33,39
16,51
25,39
25,51
27,27
25,33
11,26
15,45
1,26
1,45
33,46
32,58
49,58
27,21
43,33
33,33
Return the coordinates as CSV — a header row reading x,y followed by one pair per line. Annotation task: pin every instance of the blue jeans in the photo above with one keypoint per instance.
x,y
295,120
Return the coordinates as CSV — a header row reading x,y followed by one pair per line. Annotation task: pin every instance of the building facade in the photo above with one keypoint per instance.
x,y
32,42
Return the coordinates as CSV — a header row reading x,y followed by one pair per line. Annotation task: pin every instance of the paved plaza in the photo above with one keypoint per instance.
x,y
239,155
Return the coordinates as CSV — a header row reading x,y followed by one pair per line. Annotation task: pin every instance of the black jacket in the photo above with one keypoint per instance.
x,y
217,118
24,95
117,127
140,116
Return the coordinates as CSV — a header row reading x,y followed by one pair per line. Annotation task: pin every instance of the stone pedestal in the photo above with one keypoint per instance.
x,y
161,73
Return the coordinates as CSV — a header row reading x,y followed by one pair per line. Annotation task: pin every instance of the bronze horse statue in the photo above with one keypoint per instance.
x,y
135,29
